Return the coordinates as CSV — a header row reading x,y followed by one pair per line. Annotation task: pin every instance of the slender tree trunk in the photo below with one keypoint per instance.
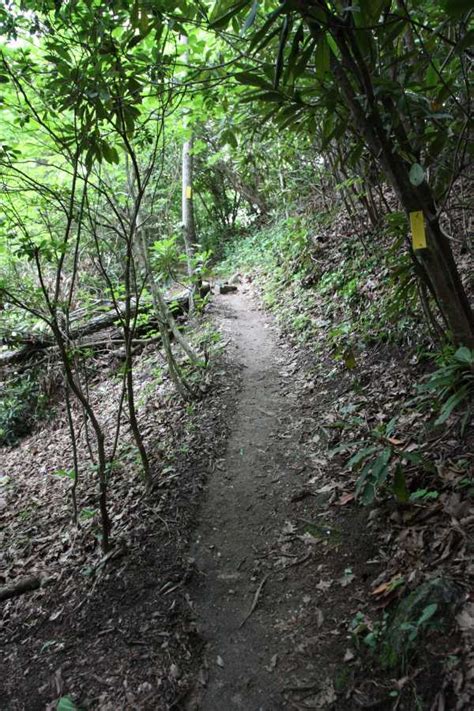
x,y
99,435
128,332
187,208
163,314
166,324
187,204
75,458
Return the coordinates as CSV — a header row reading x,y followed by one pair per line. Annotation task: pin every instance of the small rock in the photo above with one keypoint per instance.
x,y
174,671
349,655
226,288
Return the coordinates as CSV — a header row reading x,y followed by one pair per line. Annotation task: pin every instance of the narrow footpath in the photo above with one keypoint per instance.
x,y
254,591
239,515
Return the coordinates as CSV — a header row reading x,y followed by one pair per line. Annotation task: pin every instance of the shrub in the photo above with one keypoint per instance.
x,y
21,402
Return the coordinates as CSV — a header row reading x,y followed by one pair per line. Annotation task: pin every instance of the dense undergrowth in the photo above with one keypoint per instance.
x,y
355,291
23,402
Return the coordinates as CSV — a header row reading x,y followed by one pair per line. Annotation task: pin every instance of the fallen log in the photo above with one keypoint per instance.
x,y
178,304
18,587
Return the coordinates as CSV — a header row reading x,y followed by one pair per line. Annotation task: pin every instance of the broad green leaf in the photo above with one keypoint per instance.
x,y
465,355
250,19
285,28
361,455
228,136
223,13
263,96
110,153
322,57
454,8
451,403
427,613
371,10
263,36
69,473
252,79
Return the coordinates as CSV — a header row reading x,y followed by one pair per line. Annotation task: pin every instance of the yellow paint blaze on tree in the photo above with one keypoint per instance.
x,y
189,192
418,235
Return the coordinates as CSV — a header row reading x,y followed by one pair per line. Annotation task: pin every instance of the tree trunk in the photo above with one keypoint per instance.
x,y
437,258
187,205
364,105
189,227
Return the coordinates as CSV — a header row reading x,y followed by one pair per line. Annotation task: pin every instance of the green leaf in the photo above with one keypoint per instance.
x,y
465,42
451,404
424,494
322,58
263,96
413,457
379,472
228,136
285,28
417,174
360,456
427,613
222,20
372,476
262,37
65,703
454,8
87,513
250,19
294,50
110,153
69,473
370,10
464,355
400,485
251,79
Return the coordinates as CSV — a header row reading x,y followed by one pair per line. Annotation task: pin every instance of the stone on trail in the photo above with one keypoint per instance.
x,y
226,288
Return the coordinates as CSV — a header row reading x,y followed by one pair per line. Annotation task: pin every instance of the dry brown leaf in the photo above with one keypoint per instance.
x,y
345,499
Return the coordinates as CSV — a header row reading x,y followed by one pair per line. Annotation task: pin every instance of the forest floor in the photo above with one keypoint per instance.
x,y
237,583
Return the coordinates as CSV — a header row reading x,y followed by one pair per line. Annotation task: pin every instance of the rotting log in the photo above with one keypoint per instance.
x,y
18,587
32,344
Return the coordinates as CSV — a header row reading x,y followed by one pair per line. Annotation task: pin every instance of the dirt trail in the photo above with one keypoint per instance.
x,y
248,555
238,516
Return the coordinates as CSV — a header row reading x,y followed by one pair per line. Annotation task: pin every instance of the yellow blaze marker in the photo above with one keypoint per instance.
x,y
189,192
417,224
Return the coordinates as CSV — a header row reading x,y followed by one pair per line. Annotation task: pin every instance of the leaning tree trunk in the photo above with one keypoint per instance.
x,y
437,258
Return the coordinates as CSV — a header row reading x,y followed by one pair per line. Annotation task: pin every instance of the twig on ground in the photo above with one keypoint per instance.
x,y
255,600
299,562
